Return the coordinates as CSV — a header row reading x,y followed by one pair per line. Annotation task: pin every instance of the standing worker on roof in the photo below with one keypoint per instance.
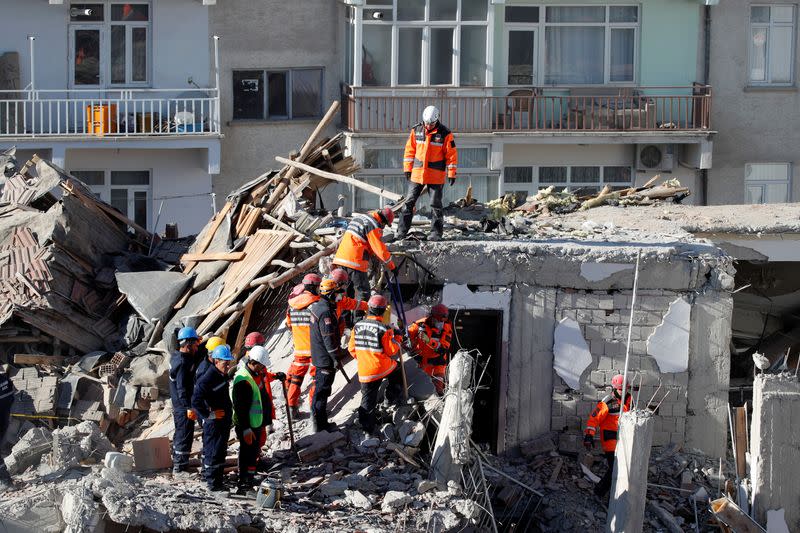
x,y
298,319
360,241
430,339
429,158
182,367
605,420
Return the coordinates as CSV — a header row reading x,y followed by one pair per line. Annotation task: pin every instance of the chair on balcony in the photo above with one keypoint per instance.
x,y
609,108
520,110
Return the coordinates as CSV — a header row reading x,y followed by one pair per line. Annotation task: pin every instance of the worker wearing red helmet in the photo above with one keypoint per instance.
x,y
374,344
430,340
345,303
298,319
605,420
254,338
362,240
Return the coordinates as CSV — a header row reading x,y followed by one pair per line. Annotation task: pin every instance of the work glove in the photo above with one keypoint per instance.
x,y
451,181
218,414
588,441
280,376
408,175
248,436
191,415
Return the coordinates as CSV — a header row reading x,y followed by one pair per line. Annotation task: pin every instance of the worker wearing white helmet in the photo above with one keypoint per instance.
x,y
253,411
429,158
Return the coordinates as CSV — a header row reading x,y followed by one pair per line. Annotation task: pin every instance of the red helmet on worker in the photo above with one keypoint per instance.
x,y
616,382
385,215
377,303
312,279
253,339
339,275
439,311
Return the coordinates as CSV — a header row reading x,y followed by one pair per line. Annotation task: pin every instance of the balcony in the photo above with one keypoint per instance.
x,y
512,109
99,113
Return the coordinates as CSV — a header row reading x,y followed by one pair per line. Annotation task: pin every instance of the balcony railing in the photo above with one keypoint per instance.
x,y
109,113
511,109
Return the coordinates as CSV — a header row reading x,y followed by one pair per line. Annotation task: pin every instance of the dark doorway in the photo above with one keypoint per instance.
x,y
482,330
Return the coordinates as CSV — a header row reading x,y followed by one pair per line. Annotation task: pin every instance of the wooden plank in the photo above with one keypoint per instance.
x,y
286,227
209,235
342,179
220,256
740,430
237,347
38,359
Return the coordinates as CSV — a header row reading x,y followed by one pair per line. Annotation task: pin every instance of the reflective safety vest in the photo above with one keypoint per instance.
x,y
362,239
372,343
256,409
431,344
430,156
298,318
605,420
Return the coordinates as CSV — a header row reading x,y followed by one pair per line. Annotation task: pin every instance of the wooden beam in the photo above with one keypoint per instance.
x,y
208,237
220,256
288,228
38,359
237,347
740,430
342,179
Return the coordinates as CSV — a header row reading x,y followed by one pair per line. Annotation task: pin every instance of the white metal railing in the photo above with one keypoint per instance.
x,y
109,112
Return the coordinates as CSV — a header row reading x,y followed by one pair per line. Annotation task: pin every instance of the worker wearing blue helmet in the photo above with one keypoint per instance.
x,y
182,367
211,400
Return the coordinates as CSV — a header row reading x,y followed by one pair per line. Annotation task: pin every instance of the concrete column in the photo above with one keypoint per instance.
x,y
629,484
451,449
775,447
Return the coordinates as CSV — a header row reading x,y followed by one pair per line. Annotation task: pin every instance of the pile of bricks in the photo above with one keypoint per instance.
x,y
34,394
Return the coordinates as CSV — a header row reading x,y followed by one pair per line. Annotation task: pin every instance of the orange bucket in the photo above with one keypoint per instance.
x,y
101,119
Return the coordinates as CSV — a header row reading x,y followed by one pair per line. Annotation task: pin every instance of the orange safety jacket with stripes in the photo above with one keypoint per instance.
x,y
298,318
433,345
605,420
362,239
372,344
430,156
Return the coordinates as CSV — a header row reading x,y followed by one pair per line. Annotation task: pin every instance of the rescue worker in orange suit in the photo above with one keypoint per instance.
x,y
298,319
374,344
430,340
429,158
360,241
604,420
326,352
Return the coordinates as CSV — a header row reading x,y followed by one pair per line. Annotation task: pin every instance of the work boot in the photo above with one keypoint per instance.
x,y
180,472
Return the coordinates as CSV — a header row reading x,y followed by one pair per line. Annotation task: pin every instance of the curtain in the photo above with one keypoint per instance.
x,y
574,55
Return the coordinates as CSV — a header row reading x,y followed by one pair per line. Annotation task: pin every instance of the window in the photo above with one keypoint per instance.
x,y
579,179
423,42
772,44
277,94
110,43
128,191
767,183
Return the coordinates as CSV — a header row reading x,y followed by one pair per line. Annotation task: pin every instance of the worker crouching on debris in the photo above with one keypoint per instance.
x,y
362,239
373,344
211,400
325,351
605,420
253,411
6,399
430,157
298,319
430,340
182,367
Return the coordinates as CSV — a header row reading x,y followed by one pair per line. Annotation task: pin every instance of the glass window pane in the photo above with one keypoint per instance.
x,y
441,56
758,54
248,94
443,9
574,55
117,54
766,172
576,14
781,45
119,200
129,12
90,177
411,10
624,14
617,175
139,54
473,55
754,195
759,14
473,157
520,57
87,57
552,174
376,66
306,93
409,68
364,200
277,106
518,175
86,12
384,157
130,177
776,193
585,175
522,14
474,9
140,208
782,13
622,46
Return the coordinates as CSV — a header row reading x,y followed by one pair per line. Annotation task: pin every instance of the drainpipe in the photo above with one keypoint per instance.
x,y
218,114
706,75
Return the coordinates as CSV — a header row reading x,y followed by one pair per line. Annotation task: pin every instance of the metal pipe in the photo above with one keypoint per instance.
x,y
217,113
630,331
31,47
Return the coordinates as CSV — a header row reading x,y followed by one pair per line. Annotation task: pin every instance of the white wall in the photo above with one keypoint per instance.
x,y
173,173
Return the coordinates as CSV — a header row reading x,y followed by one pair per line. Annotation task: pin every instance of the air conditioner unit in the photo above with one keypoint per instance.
x,y
657,157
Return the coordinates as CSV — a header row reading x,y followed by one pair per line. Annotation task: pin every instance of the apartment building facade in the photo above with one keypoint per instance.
x,y
120,94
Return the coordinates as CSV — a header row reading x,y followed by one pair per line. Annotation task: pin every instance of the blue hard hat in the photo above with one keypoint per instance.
x,y
187,333
222,353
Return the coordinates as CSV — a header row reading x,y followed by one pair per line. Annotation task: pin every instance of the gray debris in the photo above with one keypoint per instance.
x,y
393,500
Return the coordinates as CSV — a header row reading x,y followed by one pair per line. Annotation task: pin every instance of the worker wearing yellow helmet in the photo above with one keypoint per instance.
x,y
211,344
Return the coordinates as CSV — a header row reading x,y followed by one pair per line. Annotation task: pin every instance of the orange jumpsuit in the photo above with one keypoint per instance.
x,y
605,420
433,346
361,240
430,156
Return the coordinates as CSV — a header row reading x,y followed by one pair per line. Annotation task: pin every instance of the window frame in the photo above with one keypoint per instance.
x,y
104,28
535,185
763,183
104,190
769,26
288,87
